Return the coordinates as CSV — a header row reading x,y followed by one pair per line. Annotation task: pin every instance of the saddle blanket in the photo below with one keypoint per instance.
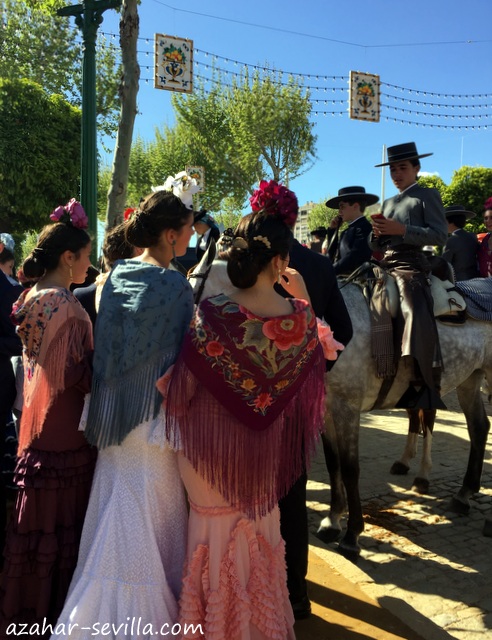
x,y
478,295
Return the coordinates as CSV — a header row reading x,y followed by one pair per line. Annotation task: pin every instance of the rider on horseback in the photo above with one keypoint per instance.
x,y
412,219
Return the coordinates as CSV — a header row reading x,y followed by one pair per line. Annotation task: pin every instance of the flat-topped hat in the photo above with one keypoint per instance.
x,y
459,210
400,152
352,193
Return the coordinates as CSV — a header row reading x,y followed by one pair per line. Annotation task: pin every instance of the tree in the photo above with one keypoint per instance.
x,y
257,128
40,151
470,186
37,45
128,90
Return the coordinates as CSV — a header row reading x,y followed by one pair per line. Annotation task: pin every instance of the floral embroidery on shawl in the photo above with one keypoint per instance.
x,y
246,400
257,361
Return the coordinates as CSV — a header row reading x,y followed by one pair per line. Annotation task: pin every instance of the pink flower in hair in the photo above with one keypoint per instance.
x,y
275,199
73,212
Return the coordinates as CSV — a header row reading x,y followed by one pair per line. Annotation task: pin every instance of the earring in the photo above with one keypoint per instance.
x,y
71,274
173,244
279,277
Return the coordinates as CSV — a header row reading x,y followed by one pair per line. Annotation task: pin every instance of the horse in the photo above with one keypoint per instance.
x,y
353,387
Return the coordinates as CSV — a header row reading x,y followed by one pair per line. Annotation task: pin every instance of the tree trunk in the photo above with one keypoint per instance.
x,y
128,90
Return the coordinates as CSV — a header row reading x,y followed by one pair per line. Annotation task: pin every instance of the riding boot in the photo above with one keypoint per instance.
x,y
420,395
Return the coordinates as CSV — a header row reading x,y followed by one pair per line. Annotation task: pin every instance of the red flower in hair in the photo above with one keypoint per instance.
x,y
275,199
128,213
488,204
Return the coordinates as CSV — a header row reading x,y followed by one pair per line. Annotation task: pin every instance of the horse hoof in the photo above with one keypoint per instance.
x,y
487,528
458,506
328,534
420,485
399,469
350,551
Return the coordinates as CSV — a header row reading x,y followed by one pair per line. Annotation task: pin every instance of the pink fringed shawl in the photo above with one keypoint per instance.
x,y
55,330
246,400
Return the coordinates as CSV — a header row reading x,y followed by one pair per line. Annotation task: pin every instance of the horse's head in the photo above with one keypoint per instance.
x,y
209,277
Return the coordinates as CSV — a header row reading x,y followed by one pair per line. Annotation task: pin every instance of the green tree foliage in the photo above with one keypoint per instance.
x,y
257,128
37,45
434,182
40,151
470,186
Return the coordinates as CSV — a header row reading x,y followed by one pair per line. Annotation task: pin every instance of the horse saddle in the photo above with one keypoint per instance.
x,y
449,304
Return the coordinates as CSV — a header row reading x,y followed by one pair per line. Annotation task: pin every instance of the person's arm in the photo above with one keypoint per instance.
x,y
450,248
359,253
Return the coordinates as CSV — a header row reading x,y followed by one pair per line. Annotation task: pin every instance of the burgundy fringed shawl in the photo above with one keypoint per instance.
x,y
246,400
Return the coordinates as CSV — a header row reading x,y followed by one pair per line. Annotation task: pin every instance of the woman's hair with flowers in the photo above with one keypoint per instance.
x,y
72,213
159,211
488,204
274,199
257,239
54,240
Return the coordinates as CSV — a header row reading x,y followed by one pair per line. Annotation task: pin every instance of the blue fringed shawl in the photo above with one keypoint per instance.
x,y
143,316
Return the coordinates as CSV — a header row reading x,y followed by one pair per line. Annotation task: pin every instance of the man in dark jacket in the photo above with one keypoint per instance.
x,y
351,249
461,247
328,304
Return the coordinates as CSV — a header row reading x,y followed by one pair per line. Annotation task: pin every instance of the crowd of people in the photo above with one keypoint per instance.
x,y
163,446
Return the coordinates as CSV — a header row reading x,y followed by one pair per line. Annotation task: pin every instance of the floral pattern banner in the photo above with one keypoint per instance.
x,y
173,63
364,97
199,174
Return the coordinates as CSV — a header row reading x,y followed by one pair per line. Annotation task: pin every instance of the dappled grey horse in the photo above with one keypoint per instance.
x,y
353,387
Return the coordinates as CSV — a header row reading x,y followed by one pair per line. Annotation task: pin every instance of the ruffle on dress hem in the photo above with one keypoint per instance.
x,y
226,612
40,469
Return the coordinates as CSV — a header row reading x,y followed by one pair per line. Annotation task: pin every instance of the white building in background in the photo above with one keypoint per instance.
x,y
301,228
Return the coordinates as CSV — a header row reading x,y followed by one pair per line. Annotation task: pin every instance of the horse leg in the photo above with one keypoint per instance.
x,y
341,440
421,482
470,400
402,466
330,528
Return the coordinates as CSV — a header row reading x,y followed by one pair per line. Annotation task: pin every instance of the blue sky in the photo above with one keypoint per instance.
x,y
440,48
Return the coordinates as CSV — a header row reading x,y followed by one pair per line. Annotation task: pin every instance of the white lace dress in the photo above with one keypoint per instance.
x,y
133,545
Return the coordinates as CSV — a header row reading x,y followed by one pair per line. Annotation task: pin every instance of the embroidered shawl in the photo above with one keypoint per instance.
x,y
54,329
143,315
246,400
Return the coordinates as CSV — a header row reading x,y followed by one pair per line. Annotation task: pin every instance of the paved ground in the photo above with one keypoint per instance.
x,y
421,563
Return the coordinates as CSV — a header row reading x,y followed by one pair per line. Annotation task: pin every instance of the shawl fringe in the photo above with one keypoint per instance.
x,y
252,469
71,342
118,406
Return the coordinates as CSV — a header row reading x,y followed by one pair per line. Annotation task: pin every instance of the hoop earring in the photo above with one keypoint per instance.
x,y
173,244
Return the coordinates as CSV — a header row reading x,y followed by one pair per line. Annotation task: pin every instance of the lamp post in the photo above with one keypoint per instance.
x,y
88,17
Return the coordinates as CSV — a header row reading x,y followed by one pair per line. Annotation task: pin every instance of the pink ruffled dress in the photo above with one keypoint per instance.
x,y
234,585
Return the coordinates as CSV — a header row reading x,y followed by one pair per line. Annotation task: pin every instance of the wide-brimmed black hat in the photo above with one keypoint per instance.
x,y
351,192
459,210
400,152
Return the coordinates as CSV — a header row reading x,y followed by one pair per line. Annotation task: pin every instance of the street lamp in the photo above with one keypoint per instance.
x,y
88,17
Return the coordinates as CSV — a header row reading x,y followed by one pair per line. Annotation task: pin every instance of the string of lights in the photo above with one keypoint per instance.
x,y
422,107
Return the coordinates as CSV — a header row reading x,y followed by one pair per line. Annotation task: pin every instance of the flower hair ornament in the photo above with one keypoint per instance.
x,y
274,199
129,213
72,213
6,242
183,186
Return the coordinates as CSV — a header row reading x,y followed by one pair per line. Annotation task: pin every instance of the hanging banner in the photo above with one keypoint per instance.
x,y
199,174
364,96
173,63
